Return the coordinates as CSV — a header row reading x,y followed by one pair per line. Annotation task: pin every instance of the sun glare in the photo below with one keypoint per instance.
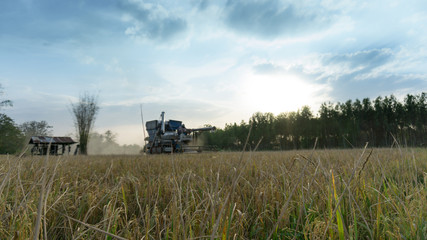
x,y
277,94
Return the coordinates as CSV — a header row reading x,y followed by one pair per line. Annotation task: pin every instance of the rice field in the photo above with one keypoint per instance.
x,y
319,194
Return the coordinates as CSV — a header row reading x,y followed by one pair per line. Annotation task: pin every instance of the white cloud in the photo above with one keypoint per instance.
x,y
88,60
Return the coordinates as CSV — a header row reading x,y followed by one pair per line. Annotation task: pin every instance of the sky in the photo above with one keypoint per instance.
x,y
204,61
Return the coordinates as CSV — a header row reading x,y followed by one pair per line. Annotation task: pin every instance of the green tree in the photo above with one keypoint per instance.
x,y
357,114
305,127
282,129
35,128
367,121
11,138
263,127
329,125
422,116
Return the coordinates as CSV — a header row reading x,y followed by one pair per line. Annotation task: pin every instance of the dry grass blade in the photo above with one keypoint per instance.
x,y
42,192
285,206
343,192
235,178
360,212
90,226
364,163
49,186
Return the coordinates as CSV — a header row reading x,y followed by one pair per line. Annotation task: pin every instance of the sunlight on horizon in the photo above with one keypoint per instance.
x,y
278,94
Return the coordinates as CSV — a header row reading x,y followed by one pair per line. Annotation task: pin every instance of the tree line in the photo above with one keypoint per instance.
x,y
381,122
14,137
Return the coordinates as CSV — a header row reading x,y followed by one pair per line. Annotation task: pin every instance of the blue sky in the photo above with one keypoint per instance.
x,y
204,61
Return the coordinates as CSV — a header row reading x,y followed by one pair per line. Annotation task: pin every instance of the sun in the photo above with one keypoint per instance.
x,y
277,93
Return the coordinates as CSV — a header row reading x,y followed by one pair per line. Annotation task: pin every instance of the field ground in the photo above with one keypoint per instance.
x,y
321,194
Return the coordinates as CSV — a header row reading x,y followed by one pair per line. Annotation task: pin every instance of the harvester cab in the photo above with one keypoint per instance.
x,y
171,136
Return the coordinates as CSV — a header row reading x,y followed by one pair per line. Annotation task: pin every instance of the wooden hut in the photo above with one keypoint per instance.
x,y
58,145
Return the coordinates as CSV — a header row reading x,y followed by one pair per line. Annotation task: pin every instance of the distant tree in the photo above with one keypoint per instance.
x,y
304,127
11,138
4,103
34,128
110,136
85,111
262,127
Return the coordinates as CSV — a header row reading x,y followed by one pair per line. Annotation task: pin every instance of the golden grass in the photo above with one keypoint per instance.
x,y
339,194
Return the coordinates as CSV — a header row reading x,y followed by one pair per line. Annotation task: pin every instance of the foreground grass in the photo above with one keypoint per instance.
x,y
336,194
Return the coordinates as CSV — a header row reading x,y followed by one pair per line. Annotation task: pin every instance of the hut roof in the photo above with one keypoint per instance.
x,y
53,140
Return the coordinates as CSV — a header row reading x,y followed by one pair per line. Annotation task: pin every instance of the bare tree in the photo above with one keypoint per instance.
x,y
84,117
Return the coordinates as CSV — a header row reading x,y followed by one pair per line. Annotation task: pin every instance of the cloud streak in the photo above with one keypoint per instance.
x,y
360,62
152,21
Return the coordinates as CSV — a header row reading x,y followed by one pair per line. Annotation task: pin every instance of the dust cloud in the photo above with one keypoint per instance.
x,y
105,144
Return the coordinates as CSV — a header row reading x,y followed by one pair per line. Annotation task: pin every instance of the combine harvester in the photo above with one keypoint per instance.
x,y
172,136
